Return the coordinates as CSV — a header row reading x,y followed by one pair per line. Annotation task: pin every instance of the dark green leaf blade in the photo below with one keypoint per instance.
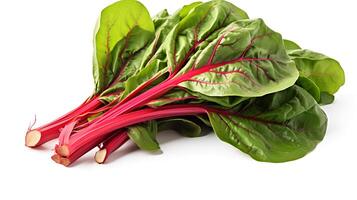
x,y
326,98
309,86
278,127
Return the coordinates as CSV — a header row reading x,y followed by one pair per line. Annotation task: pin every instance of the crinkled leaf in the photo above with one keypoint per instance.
x,y
198,19
145,77
163,24
278,127
150,68
199,25
324,71
123,29
144,136
245,58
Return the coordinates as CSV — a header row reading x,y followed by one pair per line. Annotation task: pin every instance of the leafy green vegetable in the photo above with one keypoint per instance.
x,y
124,27
199,20
278,127
207,66
324,71
316,71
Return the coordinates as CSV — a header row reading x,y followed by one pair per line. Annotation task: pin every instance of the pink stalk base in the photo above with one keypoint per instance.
x,y
157,91
122,114
128,119
112,142
50,131
66,161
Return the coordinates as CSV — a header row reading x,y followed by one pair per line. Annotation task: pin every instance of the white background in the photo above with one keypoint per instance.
x,y
45,69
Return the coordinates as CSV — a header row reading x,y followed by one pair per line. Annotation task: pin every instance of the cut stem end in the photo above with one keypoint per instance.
x,y
100,156
60,160
63,150
32,138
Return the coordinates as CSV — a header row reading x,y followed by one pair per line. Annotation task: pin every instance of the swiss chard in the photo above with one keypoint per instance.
x,y
207,66
260,67
318,73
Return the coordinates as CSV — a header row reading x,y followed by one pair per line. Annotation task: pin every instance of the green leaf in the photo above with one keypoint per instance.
x,y
145,76
290,45
144,136
309,86
324,71
163,25
183,126
201,23
307,63
151,68
326,98
188,8
278,127
201,19
245,58
123,29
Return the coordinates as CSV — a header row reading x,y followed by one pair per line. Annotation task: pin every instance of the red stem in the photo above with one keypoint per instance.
x,y
66,161
107,120
131,118
51,130
159,90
